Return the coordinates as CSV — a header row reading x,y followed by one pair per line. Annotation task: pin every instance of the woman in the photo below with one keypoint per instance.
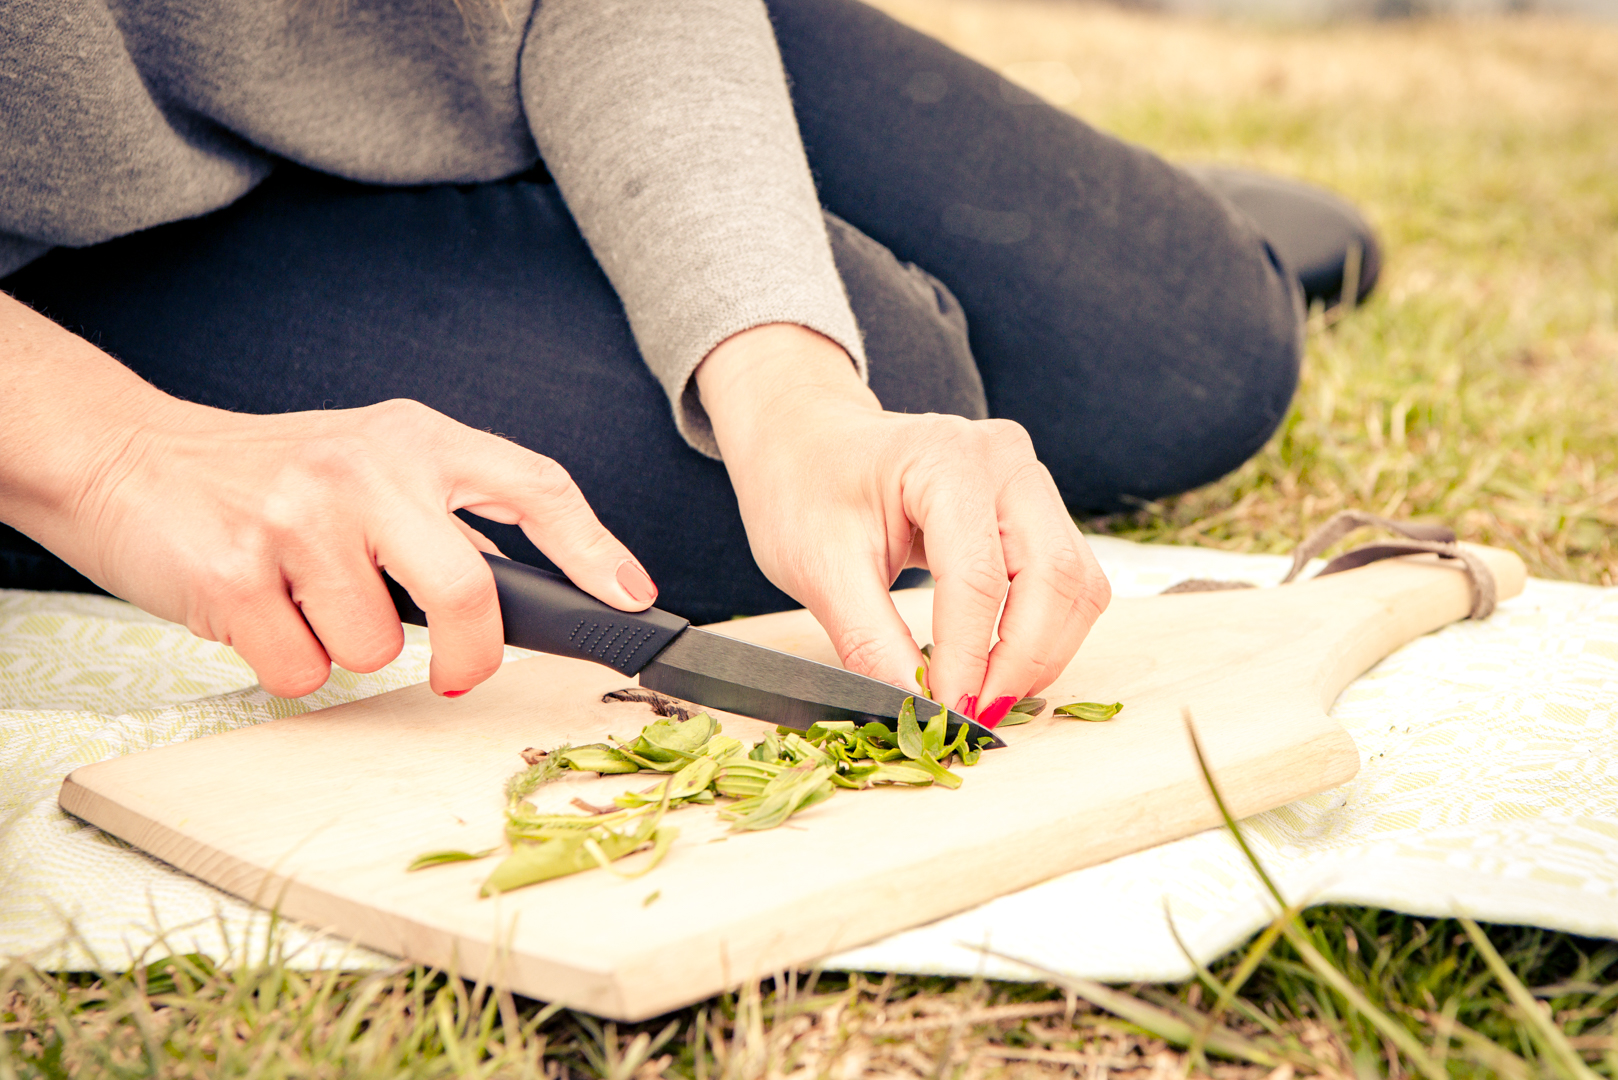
x,y
309,259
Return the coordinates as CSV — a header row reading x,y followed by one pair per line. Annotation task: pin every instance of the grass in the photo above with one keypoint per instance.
x,y
1479,386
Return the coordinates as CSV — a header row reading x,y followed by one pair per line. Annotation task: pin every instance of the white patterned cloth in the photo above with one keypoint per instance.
x,y
1489,787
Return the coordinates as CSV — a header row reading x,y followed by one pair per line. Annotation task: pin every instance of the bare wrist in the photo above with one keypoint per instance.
x,y
757,380
69,414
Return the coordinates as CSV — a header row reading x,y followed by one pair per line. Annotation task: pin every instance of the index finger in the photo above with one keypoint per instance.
x,y
504,482
965,558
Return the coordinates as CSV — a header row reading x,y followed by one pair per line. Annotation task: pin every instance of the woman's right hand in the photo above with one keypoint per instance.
x,y
271,533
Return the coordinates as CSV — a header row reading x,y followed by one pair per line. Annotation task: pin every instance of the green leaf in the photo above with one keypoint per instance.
x,y
878,733
767,750
682,737
909,731
968,754
441,858
686,785
596,758
531,863
940,774
856,777
745,779
902,772
787,792
932,737
721,747
1093,711
1012,719
823,731
1031,706
657,759
800,751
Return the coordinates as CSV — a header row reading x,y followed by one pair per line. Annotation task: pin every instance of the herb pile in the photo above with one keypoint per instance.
x,y
764,784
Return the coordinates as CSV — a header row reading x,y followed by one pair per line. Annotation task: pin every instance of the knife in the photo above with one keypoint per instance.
x,y
548,613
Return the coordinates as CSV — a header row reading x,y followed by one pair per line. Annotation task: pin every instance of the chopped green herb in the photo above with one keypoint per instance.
x,y
909,730
1024,711
596,758
1093,711
784,773
441,858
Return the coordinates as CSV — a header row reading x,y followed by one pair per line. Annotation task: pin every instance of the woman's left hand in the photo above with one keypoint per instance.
x,y
838,496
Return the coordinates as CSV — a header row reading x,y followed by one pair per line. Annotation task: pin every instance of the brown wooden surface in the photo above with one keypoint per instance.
x,y
321,813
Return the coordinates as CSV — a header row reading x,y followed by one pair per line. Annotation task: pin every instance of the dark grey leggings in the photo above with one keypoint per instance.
x,y
1136,325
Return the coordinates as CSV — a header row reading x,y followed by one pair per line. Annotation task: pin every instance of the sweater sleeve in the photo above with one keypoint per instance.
x,y
669,129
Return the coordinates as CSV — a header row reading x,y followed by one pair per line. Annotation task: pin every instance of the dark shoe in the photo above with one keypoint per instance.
x,y
1313,231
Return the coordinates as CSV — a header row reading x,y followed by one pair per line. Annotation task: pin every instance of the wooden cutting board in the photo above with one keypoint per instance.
x,y
320,814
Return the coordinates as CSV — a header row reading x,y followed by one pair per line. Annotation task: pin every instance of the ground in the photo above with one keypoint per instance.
x,y
1478,387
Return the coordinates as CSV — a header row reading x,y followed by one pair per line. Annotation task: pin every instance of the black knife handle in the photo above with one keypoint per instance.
x,y
548,613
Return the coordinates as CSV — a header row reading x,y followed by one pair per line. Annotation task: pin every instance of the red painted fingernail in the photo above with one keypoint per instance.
x,y
453,693
968,706
995,711
635,582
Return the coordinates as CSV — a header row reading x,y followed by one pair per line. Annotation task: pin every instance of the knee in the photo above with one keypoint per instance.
x,y
1215,413
914,330
1188,392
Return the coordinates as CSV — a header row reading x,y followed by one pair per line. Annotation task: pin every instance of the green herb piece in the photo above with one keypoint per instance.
x,y
822,730
932,736
596,758
543,854
767,750
687,785
1093,711
677,736
968,754
800,751
651,897
909,731
669,745
721,747
441,858
786,793
927,651
530,863
856,776
901,772
939,773
746,779
1024,711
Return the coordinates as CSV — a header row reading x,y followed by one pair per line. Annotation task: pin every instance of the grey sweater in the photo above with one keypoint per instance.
x,y
666,123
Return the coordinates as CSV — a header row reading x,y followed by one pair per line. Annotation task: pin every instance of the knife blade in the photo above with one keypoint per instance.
x,y
548,613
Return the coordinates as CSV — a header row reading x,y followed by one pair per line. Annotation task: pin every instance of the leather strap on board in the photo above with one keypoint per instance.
x,y
1435,539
